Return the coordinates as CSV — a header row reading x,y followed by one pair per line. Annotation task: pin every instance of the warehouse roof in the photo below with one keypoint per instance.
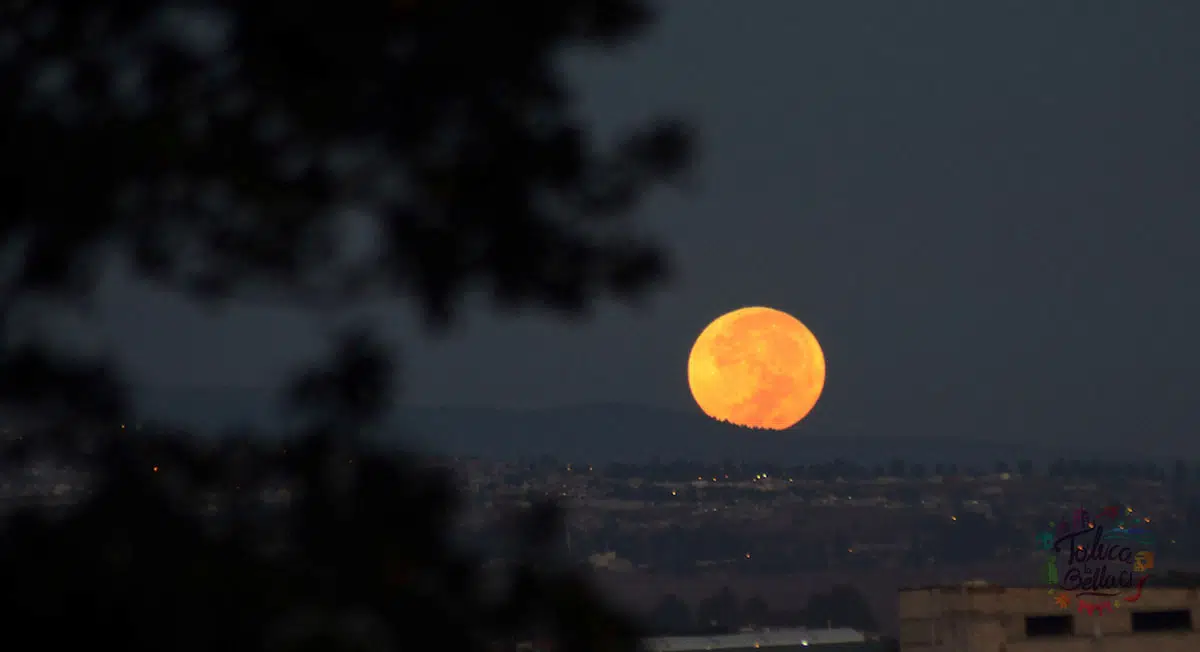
x,y
766,638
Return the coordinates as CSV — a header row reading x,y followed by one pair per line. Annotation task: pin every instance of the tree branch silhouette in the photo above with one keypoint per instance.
x,y
233,150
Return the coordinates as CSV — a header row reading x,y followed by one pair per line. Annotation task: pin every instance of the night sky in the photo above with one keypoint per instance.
x,y
987,212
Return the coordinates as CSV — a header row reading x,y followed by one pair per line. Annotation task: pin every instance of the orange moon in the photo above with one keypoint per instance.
x,y
757,367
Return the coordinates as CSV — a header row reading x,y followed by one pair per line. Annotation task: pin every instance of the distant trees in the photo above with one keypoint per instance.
x,y
1155,472
672,616
1057,468
1193,515
720,610
1181,481
1109,470
755,611
841,606
846,469
1180,473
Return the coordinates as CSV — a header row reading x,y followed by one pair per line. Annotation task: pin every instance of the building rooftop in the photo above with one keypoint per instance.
x,y
1170,579
766,638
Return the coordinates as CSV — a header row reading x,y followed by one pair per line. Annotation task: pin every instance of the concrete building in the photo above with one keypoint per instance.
x,y
977,617
772,640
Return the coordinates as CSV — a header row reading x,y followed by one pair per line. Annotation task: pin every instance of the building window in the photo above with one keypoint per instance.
x,y
1037,626
1162,621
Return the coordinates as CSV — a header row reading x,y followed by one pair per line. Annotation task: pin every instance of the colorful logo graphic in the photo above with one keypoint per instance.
x,y
1099,561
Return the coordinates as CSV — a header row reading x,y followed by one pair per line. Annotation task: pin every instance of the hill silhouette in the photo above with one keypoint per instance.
x,y
632,433
613,432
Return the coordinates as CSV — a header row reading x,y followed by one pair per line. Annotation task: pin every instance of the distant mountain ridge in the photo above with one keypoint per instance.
x,y
628,433
603,433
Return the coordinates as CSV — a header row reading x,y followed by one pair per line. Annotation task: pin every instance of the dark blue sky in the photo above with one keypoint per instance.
x,y
987,212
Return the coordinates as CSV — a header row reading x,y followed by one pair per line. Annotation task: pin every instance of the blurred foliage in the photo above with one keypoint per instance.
x,y
226,150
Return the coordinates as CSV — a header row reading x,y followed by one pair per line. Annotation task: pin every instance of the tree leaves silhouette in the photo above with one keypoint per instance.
x,y
217,142
238,150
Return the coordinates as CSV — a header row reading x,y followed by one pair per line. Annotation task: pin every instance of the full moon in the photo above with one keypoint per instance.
x,y
757,367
